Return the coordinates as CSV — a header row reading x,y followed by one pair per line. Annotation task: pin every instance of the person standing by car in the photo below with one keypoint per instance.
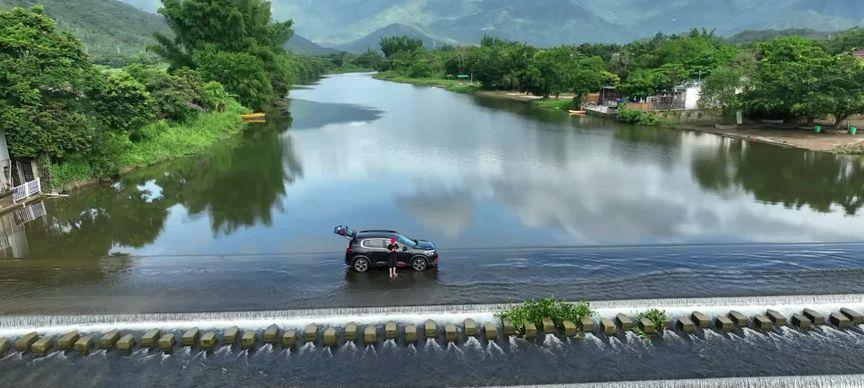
x,y
392,256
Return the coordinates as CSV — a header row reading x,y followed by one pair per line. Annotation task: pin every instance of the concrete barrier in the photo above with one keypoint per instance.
x,y
587,324
529,331
410,333
289,338
247,341
607,326
508,327
126,343
150,339
310,332
166,342
548,325
231,335
83,345
740,320
330,338
351,331
776,317
701,320
490,331
839,320
685,325
390,330
647,326
469,327
4,346
107,340
450,333
570,329
67,341
625,322
762,322
190,337
208,340
271,335
854,317
370,335
814,316
24,343
801,322
430,329
724,324
43,346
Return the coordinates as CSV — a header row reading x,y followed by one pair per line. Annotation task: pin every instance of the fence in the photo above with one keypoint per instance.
x,y
26,190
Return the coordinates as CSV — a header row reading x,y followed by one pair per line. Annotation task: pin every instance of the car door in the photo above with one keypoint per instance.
x,y
377,250
405,249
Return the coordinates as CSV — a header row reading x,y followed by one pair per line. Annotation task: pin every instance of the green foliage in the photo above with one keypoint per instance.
x,y
721,89
657,317
178,95
534,310
241,73
124,104
397,44
638,117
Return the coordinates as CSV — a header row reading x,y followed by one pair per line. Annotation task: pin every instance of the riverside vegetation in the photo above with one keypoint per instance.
x,y
534,310
87,122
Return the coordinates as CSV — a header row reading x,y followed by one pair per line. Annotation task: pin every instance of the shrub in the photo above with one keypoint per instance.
x,y
638,117
534,310
178,96
657,317
241,73
124,104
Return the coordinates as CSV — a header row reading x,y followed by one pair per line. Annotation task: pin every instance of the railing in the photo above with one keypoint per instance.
x,y
26,190
30,213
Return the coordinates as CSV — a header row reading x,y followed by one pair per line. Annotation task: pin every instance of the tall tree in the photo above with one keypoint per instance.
x,y
396,44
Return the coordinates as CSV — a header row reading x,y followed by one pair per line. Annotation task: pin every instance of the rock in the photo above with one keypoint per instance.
x,y
625,322
4,346
351,331
548,325
529,331
587,324
469,327
166,343
271,335
509,327
814,316
685,325
330,337
150,338
762,322
190,337
390,330
776,317
67,341
490,330
701,320
801,322
724,324
570,329
310,332
24,343
247,341
83,345
410,333
42,347
126,343
108,339
289,338
839,320
647,326
738,319
430,329
608,326
450,333
231,335
854,317
208,340
370,334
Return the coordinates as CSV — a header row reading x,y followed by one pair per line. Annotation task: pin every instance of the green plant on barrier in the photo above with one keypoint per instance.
x,y
638,117
534,310
657,317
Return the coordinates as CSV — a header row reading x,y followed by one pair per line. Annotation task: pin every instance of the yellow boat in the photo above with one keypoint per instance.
x,y
578,112
254,116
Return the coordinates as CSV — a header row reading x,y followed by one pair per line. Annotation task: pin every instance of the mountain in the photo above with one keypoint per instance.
x,y
750,36
150,6
301,45
371,41
108,28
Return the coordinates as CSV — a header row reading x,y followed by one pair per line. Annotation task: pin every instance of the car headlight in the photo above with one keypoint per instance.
x,y
430,253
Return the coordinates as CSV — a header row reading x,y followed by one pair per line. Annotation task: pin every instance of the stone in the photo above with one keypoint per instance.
x,y
854,317
166,343
776,317
67,341
490,331
529,331
762,322
608,326
126,343
701,319
509,327
230,336
271,335
351,331
42,346
625,322
548,325
738,319
4,346
310,332
685,325
370,335
587,324
83,345
570,329
247,341
724,324
839,320
208,340
24,343
390,330
108,339
814,316
450,333
410,333
289,338
330,338
647,326
801,322
430,329
150,338
190,337
469,327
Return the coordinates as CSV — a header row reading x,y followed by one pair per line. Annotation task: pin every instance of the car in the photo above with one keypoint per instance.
x,y
367,249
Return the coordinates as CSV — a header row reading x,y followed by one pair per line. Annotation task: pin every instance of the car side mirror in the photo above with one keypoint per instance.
x,y
404,249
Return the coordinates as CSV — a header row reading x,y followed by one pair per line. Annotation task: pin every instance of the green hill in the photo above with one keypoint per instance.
x,y
109,29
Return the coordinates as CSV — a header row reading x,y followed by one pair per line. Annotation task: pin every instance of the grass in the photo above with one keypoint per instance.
x,y
564,104
657,317
452,85
534,310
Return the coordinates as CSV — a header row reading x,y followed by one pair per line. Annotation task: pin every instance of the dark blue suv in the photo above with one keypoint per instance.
x,y
368,249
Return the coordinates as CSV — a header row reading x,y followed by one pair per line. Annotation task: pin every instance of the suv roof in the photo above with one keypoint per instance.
x,y
375,233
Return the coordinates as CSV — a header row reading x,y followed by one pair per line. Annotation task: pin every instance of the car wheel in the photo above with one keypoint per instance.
x,y
419,264
361,264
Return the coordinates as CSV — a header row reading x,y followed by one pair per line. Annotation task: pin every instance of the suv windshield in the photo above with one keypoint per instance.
x,y
407,242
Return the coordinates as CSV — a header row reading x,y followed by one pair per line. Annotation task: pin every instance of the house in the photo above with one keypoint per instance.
x,y
19,179
682,97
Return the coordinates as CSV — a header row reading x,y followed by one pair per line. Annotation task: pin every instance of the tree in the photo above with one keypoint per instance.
x,y
721,90
839,88
588,74
395,44
241,73
124,104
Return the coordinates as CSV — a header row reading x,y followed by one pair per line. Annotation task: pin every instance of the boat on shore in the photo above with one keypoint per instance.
x,y
578,112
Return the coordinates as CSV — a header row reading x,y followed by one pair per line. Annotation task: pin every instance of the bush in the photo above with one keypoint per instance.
x,y
657,317
638,117
241,73
178,96
534,310
125,105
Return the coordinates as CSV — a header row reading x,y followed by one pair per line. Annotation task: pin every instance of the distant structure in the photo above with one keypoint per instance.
x,y
19,179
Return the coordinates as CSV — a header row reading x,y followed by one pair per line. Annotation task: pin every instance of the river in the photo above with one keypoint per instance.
x,y
513,195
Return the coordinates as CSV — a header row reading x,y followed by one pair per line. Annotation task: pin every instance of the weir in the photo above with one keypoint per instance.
x,y
840,381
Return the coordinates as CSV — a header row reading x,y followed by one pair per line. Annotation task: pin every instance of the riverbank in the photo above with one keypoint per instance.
x,y
162,141
452,85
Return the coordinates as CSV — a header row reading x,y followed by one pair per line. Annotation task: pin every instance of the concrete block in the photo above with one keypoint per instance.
x,y
289,338
166,342
248,339
587,324
854,317
529,331
776,317
548,325
231,335
738,319
724,324
4,346
685,325
351,331
570,329
43,346
390,330
67,341
150,339
814,316
24,343
839,320
450,333
608,326
190,337
430,329
490,331
208,340
469,327
310,333
762,322
107,340
330,338
701,319
801,322
625,322
410,333
83,345
271,335
508,326
647,326
370,335
126,343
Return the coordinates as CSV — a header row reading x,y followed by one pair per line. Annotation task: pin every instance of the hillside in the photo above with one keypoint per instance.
x,y
108,28
301,45
756,36
371,41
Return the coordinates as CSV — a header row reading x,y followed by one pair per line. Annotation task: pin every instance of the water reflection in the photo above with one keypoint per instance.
x,y
313,115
